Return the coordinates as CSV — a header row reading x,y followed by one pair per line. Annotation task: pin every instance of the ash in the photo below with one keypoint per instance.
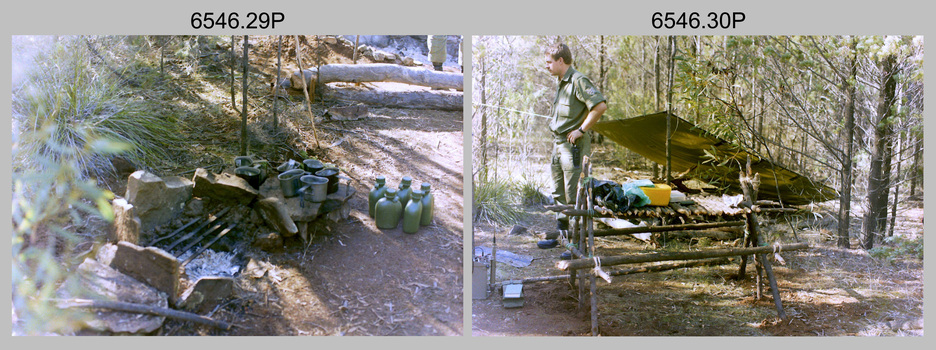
x,y
210,263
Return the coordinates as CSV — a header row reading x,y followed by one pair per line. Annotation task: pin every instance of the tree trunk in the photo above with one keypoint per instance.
x,y
279,68
844,213
233,61
350,73
354,56
878,178
482,143
243,146
893,216
669,111
162,57
305,91
915,168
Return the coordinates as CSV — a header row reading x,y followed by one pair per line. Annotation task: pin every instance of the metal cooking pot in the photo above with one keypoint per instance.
x,y
289,182
317,185
251,174
332,175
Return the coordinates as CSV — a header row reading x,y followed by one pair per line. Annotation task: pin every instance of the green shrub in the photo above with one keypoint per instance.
x,y
495,202
531,192
68,95
898,247
49,201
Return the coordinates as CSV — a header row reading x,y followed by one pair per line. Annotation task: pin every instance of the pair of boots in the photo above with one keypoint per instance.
x,y
552,243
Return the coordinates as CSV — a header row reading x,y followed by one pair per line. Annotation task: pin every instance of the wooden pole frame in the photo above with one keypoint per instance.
x,y
583,223
566,265
305,91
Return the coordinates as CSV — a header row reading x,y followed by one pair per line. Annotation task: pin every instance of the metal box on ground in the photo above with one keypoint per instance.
x,y
513,294
479,280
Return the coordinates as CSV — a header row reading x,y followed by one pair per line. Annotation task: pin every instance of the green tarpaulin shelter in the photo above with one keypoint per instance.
x,y
710,158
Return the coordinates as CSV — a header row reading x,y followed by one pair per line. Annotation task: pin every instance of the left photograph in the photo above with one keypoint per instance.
x,y
295,185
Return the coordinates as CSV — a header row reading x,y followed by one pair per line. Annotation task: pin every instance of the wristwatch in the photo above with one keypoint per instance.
x,y
581,131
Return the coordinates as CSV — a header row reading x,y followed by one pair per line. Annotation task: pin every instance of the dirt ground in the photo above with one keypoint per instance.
x,y
354,279
826,291
351,278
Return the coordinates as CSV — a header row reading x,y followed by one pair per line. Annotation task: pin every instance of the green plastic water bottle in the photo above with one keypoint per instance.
x,y
404,192
376,194
412,214
388,210
428,201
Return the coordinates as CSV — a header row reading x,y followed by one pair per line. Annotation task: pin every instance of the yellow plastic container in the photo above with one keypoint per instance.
x,y
659,194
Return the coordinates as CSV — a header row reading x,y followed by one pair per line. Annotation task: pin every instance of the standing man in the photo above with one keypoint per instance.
x,y
577,107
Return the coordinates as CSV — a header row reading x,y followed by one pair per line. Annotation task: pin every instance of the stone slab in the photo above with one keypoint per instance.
x,y
207,293
96,281
157,200
223,187
149,265
127,225
276,214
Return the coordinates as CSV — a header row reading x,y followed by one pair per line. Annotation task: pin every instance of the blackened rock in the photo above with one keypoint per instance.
x,y
223,187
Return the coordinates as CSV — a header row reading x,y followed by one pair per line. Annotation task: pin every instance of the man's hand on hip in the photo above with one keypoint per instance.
x,y
574,135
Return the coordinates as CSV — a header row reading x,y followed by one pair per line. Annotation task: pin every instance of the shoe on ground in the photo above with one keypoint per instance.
x,y
566,255
546,244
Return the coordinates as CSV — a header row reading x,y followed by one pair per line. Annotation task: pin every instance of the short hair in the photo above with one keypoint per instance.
x,y
558,51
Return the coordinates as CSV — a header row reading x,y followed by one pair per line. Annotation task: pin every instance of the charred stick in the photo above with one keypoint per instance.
x,y
201,237
211,219
206,246
190,223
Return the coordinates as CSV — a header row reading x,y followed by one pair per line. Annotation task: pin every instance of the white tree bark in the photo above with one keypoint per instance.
x,y
360,73
450,101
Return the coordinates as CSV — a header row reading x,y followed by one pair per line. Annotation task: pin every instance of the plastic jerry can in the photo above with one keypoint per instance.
x,y
412,214
388,210
404,192
376,194
428,201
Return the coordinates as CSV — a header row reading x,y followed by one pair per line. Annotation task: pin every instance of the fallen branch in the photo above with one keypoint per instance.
x,y
143,309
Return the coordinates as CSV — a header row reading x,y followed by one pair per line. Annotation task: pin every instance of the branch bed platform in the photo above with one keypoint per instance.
x,y
699,214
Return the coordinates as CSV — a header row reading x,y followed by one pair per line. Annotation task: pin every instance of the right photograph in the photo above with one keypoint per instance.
x,y
697,185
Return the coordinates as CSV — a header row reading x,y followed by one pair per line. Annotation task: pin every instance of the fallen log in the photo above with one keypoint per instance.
x,y
363,73
143,309
442,100
664,256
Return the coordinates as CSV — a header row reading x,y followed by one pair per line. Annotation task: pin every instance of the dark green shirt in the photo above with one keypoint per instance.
x,y
575,96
